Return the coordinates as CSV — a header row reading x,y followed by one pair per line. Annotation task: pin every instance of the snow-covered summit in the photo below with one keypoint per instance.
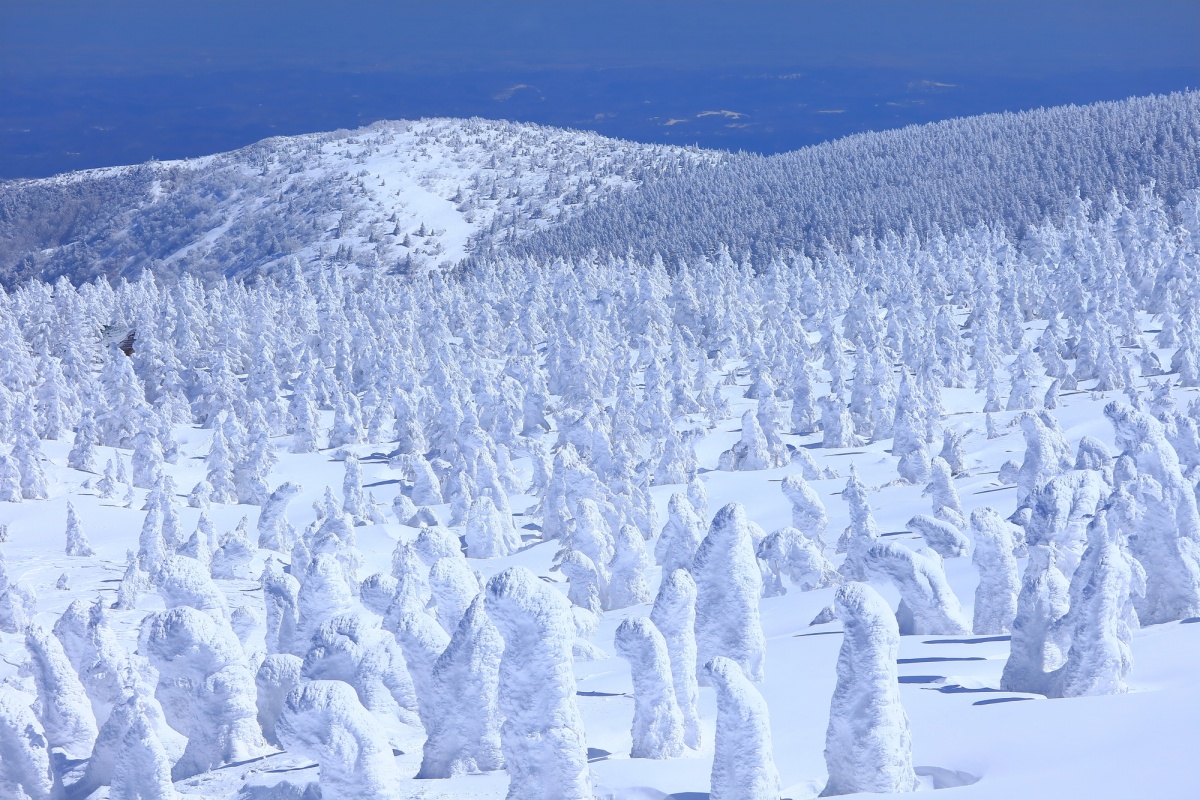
x,y
393,194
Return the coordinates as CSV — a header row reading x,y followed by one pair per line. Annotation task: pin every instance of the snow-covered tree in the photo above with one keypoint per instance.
x,y
62,705
324,721
743,761
542,736
77,541
657,721
999,583
206,688
868,745
25,769
728,587
674,615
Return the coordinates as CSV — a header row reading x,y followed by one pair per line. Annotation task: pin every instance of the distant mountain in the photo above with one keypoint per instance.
x,y
393,195
436,193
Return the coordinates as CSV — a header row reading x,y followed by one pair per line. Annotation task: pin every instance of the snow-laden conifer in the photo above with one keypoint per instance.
x,y
674,615
542,736
999,583
743,761
868,745
657,721
728,586
324,721
206,688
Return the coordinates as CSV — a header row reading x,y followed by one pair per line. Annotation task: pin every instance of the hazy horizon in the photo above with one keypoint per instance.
x,y
90,84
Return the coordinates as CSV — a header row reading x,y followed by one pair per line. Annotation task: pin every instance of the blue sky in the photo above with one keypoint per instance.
x,y
118,81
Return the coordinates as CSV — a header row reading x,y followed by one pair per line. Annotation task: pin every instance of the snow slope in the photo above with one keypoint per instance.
x,y
996,745
392,195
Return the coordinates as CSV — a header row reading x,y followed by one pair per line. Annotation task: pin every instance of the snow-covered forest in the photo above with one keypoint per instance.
x,y
913,509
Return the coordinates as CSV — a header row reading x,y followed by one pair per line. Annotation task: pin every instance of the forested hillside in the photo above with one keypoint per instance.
x,y
1007,169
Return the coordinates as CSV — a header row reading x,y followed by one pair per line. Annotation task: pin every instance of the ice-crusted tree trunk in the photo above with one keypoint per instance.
x,y
674,614
868,745
324,721
999,582
743,757
728,588
542,737
657,721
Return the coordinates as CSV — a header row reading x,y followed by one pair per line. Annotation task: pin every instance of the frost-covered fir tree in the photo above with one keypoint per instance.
x,y
464,726
324,721
542,737
927,603
657,721
868,745
674,615
275,532
25,770
861,534
808,512
999,583
77,541
1101,618
680,537
1168,540
62,705
142,769
1042,602
206,687
944,494
743,761
728,587
940,536
627,579
83,452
